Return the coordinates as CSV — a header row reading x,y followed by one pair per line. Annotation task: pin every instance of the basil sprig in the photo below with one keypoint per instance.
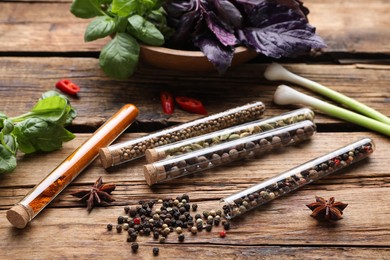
x,y
40,130
128,22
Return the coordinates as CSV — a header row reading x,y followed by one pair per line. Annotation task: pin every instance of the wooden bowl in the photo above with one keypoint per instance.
x,y
190,61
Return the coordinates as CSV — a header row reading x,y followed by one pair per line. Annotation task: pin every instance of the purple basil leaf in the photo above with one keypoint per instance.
x,y
183,32
295,5
220,56
215,25
286,39
177,9
228,13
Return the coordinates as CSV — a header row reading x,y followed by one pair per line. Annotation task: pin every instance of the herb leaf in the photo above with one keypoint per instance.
x,y
119,57
145,31
124,7
86,8
100,27
221,56
7,160
41,129
282,34
277,28
35,134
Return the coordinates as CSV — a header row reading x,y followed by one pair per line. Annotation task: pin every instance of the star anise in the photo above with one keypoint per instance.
x,y
99,194
328,210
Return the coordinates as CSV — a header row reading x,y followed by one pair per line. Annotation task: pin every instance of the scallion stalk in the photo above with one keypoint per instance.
x,y
276,71
285,95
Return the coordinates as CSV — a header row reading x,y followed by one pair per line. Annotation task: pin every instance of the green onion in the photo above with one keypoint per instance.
x,y
285,95
276,71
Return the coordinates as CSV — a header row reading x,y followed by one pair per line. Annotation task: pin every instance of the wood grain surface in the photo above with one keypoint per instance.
x,y
346,26
41,42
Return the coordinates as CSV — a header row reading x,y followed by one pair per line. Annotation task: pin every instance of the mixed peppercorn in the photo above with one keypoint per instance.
x,y
173,216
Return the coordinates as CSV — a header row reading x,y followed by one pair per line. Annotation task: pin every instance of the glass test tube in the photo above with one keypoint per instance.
x,y
43,193
295,178
226,135
210,157
133,149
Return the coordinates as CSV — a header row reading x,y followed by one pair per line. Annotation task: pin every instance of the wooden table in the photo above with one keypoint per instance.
x,y
41,42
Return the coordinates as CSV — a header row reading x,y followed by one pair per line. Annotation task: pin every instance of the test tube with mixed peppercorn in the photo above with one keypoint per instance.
x,y
295,178
210,157
226,135
130,150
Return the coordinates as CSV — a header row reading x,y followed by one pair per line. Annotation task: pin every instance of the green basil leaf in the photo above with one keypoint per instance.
x,y
9,141
3,116
86,8
100,27
145,31
35,134
69,114
51,109
7,160
119,57
7,126
125,7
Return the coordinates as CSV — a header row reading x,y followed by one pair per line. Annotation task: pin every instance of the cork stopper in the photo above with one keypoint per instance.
x,y
106,157
18,216
150,173
152,155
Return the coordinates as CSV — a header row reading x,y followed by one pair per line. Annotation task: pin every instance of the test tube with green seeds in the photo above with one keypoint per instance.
x,y
228,134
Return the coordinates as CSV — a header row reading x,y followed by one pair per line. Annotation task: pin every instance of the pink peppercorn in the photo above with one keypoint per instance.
x,y
137,221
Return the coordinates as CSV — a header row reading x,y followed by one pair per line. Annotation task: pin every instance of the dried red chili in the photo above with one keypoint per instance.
x,y
167,102
68,87
191,105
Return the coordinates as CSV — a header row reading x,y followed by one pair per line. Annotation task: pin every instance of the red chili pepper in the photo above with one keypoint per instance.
x,y
191,105
167,102
68,87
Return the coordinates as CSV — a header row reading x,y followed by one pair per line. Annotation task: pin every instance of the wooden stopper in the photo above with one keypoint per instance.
x,y
150,173
153,156
154,174
18,216
106,157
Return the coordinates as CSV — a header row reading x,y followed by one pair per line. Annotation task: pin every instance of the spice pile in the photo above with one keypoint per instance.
x,y
173,216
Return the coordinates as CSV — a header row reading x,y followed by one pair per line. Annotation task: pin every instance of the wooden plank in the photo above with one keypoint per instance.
x,y
285,221
25,79
100,244
346,26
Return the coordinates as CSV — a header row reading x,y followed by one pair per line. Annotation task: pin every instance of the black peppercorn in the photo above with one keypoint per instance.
x,y
119,228
132,212
134,247
147,231
109,227
133,236
155,251
120,220
156,235
208,227
126,208
181,237
185,197
194,207
226,225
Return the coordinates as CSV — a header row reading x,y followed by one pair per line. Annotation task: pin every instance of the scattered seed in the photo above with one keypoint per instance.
x,y
134,247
